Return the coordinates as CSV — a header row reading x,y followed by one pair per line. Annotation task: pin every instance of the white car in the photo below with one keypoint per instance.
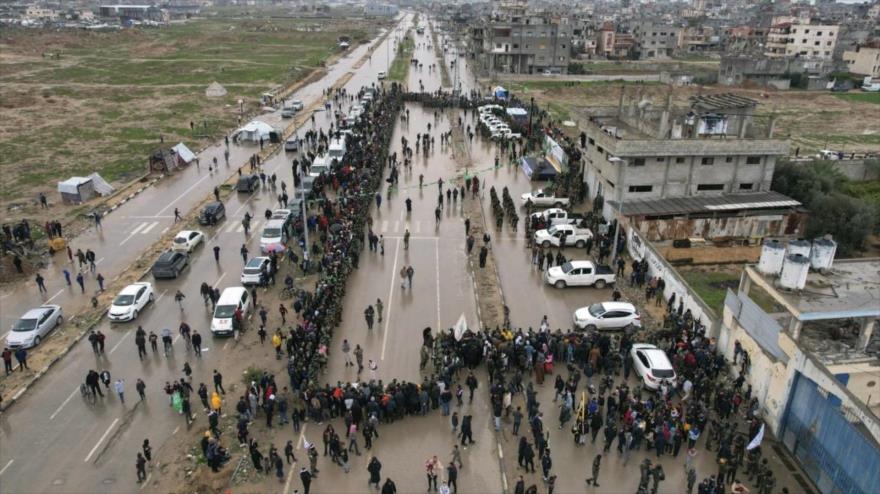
x,y
296,104
541,198
652,365
130,301
187,240
579,273
282,214
607,315
250,275
33,326
381,75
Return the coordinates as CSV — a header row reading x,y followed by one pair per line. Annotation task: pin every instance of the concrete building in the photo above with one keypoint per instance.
x,y
773,72
40,13
523,45
612,44
802,40
655,41
812,361
376,9
716,146
134,13
864,60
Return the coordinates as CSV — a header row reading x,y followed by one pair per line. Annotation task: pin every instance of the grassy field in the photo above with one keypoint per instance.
x,y
858,97
711,284
75,102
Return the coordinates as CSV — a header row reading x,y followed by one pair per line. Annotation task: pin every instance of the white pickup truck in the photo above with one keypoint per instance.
x,y
559,216
573,236
544,199
579,273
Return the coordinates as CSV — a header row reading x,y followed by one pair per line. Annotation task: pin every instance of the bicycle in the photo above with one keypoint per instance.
x,y
87,393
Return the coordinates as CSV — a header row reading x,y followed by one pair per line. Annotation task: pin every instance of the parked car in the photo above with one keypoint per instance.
x,y
296,104
607,315
288,113
291,145
33,326
250,275
579,273
553,236
559,216
247,183
169,264
232,298
545,199
652,365
274,233
212,213
381,75
130,301
187,240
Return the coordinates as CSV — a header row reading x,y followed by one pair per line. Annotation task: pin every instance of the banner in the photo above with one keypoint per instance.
x,y
756,441
460,327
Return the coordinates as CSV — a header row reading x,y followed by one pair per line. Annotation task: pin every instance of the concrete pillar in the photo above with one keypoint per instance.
x,y
771,128
794,328
620,102
865,333
746,285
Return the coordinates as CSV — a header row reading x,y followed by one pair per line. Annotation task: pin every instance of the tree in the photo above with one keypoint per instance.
x,y
846,218
806,181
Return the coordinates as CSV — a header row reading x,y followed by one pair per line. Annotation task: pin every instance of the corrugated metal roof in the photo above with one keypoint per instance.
x,y
713,102
698,204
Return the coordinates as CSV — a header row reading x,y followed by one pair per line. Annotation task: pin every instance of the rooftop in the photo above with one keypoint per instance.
x,y
851,289
706,204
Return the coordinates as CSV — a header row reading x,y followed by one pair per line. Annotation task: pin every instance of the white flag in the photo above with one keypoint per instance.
x,y
460,327
756,441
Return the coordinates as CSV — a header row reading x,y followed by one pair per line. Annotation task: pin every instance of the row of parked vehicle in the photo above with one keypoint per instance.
x,y
498,128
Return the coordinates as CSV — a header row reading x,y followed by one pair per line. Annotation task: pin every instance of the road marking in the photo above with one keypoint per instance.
x,y
232,227
7,466
384,226
52,417
437,267
147,229
390,298
219,279
165,229
160,297
187,191
146,481
99,261
119,342
53,296
239,229
106,433
418,226
139,227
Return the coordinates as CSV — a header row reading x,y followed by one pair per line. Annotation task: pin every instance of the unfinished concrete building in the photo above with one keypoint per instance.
x,y
715,146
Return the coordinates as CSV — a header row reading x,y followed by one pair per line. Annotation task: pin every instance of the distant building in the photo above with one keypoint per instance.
x,y
39,13
864,60
802,40
613,44
655,41
133,13
808,339
515,41
773,72
716,146
376,9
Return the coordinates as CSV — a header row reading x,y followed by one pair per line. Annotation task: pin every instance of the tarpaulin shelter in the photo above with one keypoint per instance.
x,y
500,92
256,130
76,190
215,90
184,155
101,186
538,168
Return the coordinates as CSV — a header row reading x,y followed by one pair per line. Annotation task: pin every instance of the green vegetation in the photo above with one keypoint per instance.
x,y
860,97
400,66
848,211
712,286
101,100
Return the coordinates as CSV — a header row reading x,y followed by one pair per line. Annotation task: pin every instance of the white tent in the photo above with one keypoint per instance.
x,y
183,153
101,186
253,131
215,90
76,190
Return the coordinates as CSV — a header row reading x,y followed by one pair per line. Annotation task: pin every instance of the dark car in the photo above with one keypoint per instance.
x,y
169,264
247,183
212,213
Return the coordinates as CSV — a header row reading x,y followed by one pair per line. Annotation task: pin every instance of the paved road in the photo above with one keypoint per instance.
x,y
98,441
137,224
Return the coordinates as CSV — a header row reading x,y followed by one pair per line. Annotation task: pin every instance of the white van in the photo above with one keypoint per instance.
x,y
320,165
273,233
337,149
234,297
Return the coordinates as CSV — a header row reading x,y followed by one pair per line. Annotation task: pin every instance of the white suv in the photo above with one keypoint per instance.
x,y
607,315
652,365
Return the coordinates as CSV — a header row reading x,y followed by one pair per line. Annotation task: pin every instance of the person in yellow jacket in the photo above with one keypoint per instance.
x,y
216,401
276,342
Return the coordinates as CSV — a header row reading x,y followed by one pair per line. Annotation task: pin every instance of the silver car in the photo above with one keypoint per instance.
x,y
34,325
